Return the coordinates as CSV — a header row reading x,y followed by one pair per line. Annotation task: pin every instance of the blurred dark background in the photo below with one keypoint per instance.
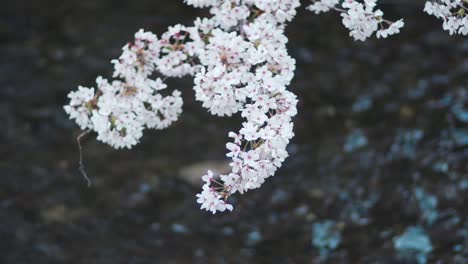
x,y
377,171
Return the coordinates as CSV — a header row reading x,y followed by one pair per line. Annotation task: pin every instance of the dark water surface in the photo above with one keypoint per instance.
x,y
381,145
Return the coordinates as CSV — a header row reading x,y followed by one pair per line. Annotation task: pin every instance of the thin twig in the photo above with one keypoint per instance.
x,y
81,166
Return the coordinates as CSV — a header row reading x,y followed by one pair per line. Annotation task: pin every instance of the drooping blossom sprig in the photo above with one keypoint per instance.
x,y
247,70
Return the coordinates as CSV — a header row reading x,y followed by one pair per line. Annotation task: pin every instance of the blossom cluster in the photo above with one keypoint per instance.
x,y
452,12
118,111
361,18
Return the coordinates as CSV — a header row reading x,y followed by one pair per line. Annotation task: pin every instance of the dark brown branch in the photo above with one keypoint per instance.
x,y
81,166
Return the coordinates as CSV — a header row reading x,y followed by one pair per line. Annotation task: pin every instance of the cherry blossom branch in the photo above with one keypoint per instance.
x,y
240,64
